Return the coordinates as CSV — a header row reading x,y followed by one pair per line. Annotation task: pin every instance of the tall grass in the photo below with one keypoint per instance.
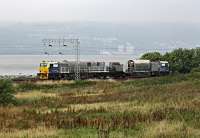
x,y
152,107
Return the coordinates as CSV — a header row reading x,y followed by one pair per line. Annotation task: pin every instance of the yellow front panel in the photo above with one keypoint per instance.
x,y
44,71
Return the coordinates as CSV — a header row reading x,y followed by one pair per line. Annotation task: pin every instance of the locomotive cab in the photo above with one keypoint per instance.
x,y
53,70
130,66
164,68
43,70
48,70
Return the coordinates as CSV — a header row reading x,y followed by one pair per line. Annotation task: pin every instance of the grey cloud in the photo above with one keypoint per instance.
x,y
100,10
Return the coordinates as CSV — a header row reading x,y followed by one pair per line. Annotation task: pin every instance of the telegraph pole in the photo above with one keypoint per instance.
x,y
77,72
65,43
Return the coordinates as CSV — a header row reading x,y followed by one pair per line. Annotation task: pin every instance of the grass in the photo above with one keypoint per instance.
x,y
34,95
33,133
152,107
65,133
167,129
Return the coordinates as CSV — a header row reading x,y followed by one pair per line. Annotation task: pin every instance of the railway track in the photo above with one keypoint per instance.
x,y
35,80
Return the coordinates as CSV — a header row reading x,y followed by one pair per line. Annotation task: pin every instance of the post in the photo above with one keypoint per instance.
x,y
75,43
77,70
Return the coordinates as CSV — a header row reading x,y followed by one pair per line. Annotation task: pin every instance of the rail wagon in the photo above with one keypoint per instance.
x,y
155,68
87,69
139,68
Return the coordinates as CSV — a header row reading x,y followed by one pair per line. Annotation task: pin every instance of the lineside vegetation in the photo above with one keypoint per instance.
x,y
181,60
152,107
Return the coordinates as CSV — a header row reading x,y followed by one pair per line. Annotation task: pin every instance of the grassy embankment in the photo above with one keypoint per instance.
x,y
153,107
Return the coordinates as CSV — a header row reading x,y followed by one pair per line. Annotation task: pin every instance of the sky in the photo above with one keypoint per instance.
x,y
116,11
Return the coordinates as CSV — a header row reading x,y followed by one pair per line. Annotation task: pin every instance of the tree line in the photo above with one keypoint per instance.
x,y
180,60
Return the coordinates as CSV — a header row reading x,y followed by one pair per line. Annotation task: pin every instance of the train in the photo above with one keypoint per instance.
x,y
66,70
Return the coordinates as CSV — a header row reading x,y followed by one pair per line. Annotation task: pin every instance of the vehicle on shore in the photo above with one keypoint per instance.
x,y
51,70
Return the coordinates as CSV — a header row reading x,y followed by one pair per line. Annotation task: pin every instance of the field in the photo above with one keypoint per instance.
x,y
152,107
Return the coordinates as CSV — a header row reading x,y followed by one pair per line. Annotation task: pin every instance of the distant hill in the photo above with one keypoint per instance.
x,y
99,38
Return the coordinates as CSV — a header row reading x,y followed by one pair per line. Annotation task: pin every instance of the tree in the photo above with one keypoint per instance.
x,y
6,93
181,60
196,58
152,56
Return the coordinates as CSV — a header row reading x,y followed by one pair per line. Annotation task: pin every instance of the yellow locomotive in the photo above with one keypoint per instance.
x,y
43,70
46,69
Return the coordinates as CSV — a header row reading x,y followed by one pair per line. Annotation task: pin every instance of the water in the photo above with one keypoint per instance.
x,y
29,64
21,46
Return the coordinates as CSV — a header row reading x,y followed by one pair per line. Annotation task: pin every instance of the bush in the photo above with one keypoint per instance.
x,y
6,93
194,70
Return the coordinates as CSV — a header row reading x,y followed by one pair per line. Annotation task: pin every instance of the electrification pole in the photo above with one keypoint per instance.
x,y
65,43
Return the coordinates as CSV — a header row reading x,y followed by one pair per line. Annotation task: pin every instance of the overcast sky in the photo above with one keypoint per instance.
x,y
118,11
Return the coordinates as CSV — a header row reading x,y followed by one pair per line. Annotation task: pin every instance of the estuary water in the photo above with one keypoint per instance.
x,y
29,64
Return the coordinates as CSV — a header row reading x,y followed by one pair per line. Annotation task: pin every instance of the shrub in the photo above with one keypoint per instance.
x,y
6,93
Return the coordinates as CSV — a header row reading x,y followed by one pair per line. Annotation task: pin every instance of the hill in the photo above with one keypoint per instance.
x,y
98,38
